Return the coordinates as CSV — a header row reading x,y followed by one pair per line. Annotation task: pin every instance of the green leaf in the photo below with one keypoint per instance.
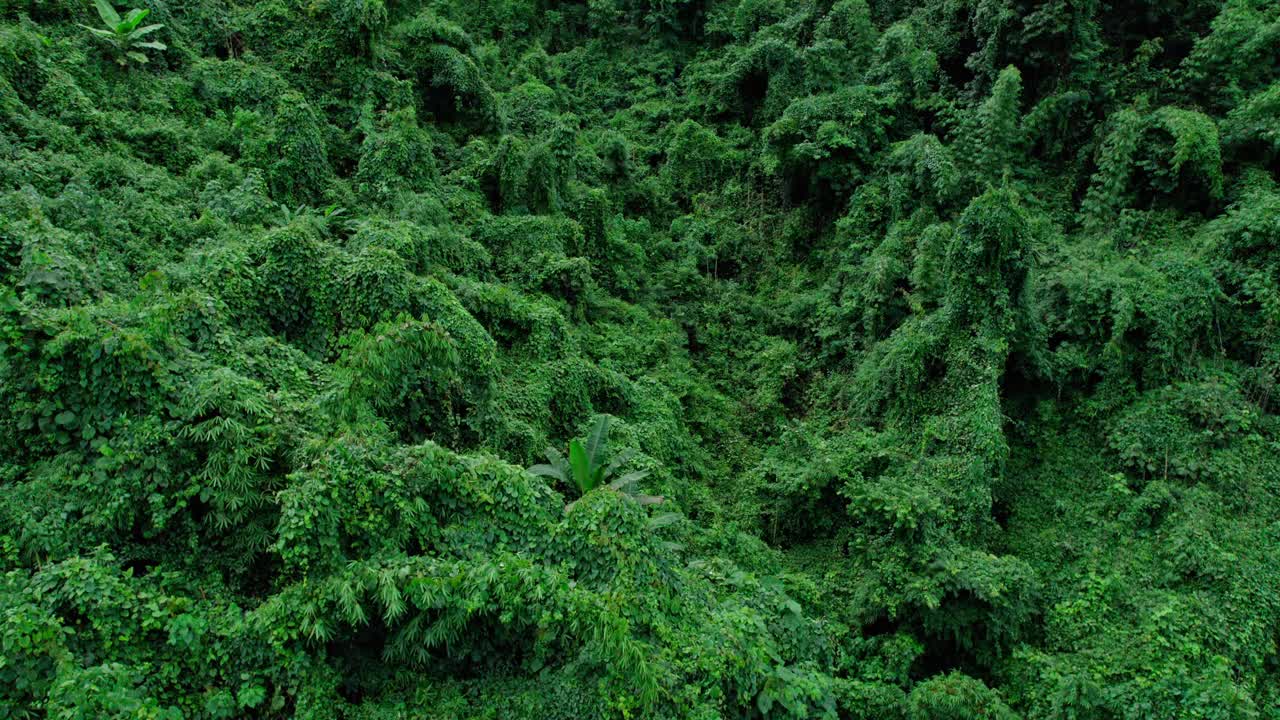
x,y
550,471
664,520
631,478
99,32
137,57
595,444
133,19
251,695
154,45
581,465
107,13
622,458
553,456
145,30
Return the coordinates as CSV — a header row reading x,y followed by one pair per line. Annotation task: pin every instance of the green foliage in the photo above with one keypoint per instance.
x,y
955,696
1174,151
946,333
395,157
832,137
991,139
126,35
1253,124
587,467
403,368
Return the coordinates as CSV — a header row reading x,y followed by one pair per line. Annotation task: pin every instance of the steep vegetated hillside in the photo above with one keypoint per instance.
x,y
897,360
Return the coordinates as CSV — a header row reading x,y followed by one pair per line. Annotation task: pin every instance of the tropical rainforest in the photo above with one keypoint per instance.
x,y
674,359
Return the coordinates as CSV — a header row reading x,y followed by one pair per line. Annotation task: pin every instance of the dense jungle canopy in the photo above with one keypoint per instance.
x,y
678,359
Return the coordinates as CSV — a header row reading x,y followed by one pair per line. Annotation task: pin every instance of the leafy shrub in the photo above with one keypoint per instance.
x,y
124,35
395,158
586,467
832,137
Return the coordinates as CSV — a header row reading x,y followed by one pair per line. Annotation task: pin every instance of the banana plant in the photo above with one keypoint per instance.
x,y
123,34
586,468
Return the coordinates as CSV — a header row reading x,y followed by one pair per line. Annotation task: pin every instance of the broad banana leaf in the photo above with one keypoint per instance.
x,y
581,465
107,13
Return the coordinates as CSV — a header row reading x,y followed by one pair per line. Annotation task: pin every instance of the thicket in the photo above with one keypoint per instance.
x,y
914,360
